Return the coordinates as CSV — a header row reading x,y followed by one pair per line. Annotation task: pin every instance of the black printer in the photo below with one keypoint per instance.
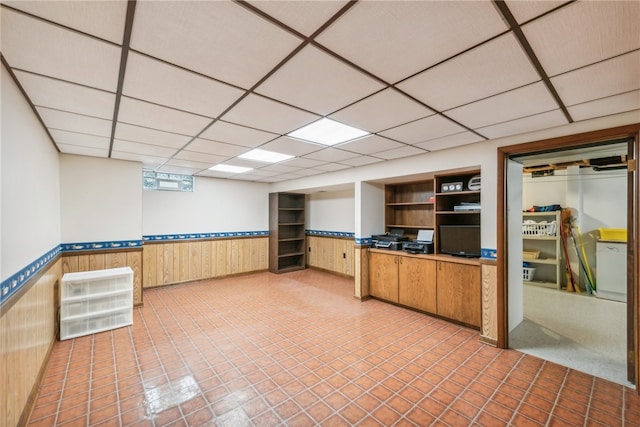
x,y
422,245
392,240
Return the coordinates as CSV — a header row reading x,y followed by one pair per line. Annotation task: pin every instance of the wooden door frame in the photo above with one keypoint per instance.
x,y
633,249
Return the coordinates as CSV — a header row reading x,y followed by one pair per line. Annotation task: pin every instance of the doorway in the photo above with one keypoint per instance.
x,y
511,289
567,316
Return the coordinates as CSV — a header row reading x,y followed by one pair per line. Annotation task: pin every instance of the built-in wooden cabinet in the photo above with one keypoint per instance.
x,y
286,232
383,276
417,283
458,292
442,285
409,207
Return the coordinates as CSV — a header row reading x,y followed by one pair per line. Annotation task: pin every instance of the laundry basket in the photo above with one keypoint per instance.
x,y
528,273
532,228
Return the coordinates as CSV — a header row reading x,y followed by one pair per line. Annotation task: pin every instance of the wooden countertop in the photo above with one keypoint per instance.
x,y
435,257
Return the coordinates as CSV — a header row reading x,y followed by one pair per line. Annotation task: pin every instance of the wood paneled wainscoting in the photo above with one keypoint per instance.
x,y
73,262
28,330
331,253
167,263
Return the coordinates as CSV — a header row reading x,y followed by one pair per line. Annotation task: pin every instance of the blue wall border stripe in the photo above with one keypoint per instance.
x,y
195,236
95,246
12,284
330,233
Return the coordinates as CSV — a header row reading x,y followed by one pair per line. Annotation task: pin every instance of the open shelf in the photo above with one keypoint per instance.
x,y
286,232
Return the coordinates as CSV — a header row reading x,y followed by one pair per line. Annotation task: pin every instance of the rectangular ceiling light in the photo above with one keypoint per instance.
x,y
230,169
265,156
328,132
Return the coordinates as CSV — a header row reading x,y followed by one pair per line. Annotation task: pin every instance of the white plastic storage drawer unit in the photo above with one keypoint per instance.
x,y
95,301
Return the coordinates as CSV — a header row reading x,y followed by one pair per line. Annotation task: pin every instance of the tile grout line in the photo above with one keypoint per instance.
x,y
93,338
490,398
64,381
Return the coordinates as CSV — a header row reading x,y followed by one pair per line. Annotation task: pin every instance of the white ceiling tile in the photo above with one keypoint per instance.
x,y
332,167
309,172
606,106
398,153
617,75
55,119
80,139
263,173
37,46
83,151
361,161
522,102
262,113
583,33
450,141
395,39
315,81
135,112
139,148
303,16
219,39
150,136
161,83
291,146
287,176
331,155
148,162
524,10
526,124
52,93
216,148
234,134
104,19
281,167
302,163
179,169
370,144
188,164
217,174
382,110
211,159
494,67
423,130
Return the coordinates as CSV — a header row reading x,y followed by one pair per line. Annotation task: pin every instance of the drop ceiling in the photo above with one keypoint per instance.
x,y
182,86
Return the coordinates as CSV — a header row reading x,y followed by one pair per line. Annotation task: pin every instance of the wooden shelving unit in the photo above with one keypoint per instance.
x,y
446,201
549,265
286,232
410,207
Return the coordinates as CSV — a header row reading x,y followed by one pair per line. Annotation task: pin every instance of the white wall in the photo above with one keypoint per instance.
x,y
599,199
216,205
331,211
101,199
30,184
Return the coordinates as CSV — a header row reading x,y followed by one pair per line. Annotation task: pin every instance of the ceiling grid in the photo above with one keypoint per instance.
x,y
184,86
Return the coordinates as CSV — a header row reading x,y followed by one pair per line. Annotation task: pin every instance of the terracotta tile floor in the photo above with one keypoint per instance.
x,y
298,350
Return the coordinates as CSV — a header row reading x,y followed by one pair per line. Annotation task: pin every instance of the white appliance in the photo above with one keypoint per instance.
x,y
611,276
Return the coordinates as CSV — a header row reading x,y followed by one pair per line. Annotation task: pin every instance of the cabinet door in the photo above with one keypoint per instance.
x,y
383,276
458,292
417,283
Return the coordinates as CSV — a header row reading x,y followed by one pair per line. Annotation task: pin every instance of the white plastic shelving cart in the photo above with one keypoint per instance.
x,y
95,301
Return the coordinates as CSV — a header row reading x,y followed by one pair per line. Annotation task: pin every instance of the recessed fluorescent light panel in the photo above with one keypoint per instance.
x,y
229,169
265,156
328,132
